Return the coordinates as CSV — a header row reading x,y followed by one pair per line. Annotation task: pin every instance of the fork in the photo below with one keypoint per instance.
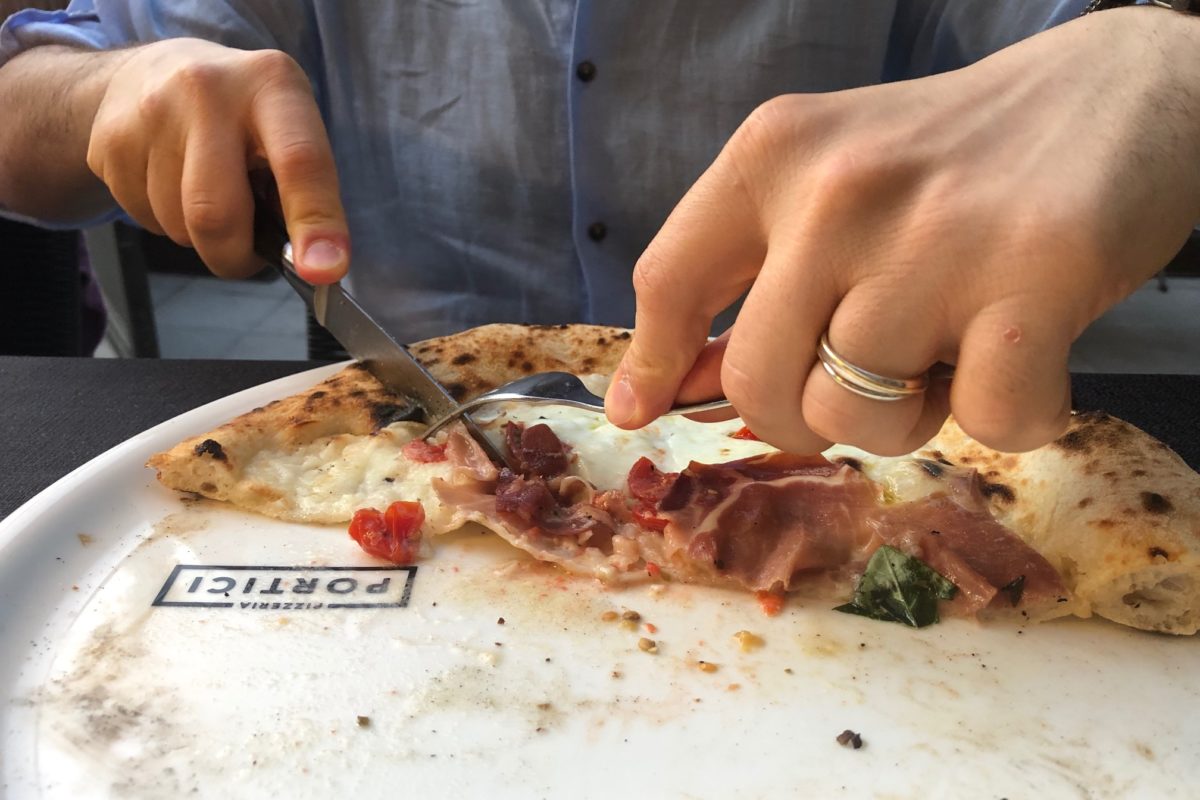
x,y
551,388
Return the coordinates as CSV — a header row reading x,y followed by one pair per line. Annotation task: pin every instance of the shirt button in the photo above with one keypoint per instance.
x,y
597,231
586,71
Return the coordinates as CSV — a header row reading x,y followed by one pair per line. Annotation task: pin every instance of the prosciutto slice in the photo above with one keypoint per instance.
x,y
771,521
774,522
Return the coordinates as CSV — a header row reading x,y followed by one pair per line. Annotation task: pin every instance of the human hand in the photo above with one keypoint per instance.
x,y
981,218
181,123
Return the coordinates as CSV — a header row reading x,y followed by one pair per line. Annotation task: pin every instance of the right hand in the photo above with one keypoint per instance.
x,y
178,129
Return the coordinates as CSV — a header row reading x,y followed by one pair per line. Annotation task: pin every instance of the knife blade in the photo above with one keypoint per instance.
x,y
363,338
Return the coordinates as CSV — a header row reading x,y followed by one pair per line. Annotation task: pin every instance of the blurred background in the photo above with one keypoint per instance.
x,y
119,292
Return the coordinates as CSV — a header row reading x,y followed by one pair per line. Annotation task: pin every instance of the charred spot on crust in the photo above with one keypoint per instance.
x,y
601,340
1073,441
998,490
211,447
312,399
359,393
1094,429
623,335
589,364
852,463
527,366
208,486
1158,552
457,390
1155,503
1138,473
384,414
462,358
934,469
1084,503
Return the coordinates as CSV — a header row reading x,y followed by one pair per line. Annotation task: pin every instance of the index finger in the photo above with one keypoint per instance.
x,y
704,257
292,136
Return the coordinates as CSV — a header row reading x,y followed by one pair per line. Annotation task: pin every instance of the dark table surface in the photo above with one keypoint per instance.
x,y
56,413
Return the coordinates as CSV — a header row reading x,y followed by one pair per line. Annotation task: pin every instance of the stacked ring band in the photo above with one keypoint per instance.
x,y
864,382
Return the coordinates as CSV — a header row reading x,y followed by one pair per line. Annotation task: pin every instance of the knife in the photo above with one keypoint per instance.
x,y
339,313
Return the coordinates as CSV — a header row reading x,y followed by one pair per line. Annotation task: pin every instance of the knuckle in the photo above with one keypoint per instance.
x,y
652,278
771,123
854,167
276,67
199,79
300,160
208,219
653,365
152,104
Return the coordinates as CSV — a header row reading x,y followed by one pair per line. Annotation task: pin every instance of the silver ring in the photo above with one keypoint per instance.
x,y
864,382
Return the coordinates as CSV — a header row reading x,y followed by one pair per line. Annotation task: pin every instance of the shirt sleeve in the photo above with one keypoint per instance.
x,y
932,36
77,26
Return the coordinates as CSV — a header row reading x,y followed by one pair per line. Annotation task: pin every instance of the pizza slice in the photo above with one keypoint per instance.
x,y
1103,521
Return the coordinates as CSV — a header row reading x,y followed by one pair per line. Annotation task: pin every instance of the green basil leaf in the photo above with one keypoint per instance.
x,y
896,587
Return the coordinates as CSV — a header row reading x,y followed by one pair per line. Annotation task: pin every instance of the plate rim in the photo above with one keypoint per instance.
x,y
28,512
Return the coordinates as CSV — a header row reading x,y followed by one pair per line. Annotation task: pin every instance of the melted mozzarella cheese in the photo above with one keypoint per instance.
x,y
604,453
331,478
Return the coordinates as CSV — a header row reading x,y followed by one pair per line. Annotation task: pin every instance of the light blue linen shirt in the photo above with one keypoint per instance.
x,y
485,178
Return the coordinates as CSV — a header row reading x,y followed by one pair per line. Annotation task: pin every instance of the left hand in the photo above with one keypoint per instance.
x,y
982,217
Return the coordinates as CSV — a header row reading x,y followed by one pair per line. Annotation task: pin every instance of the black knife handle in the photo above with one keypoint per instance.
x,y
270,232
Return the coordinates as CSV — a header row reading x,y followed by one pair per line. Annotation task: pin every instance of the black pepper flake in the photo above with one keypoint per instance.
x,y
500,621
389,480
849,738
364,722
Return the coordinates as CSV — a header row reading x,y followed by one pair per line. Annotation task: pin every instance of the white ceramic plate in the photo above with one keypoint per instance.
x,y
116,683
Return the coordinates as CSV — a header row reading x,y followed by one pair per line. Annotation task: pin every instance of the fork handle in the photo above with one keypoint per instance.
x,y
489,399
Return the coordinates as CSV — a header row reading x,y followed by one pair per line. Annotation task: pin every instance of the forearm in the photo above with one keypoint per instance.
x,y
50,95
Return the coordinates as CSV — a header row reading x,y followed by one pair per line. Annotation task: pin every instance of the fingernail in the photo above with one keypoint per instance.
x,y
620,405
324,255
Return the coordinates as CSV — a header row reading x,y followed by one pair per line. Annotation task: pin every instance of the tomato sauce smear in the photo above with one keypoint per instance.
x,y
423,452
744,432
771,603
393,535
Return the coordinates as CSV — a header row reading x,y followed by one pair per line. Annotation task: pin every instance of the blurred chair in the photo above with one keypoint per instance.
x,y
120,265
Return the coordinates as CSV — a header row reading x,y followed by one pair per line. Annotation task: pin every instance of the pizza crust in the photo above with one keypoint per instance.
x,y
1116,511
319,455
478,360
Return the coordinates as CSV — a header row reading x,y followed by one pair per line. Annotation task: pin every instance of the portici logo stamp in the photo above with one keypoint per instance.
x,y
268,588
